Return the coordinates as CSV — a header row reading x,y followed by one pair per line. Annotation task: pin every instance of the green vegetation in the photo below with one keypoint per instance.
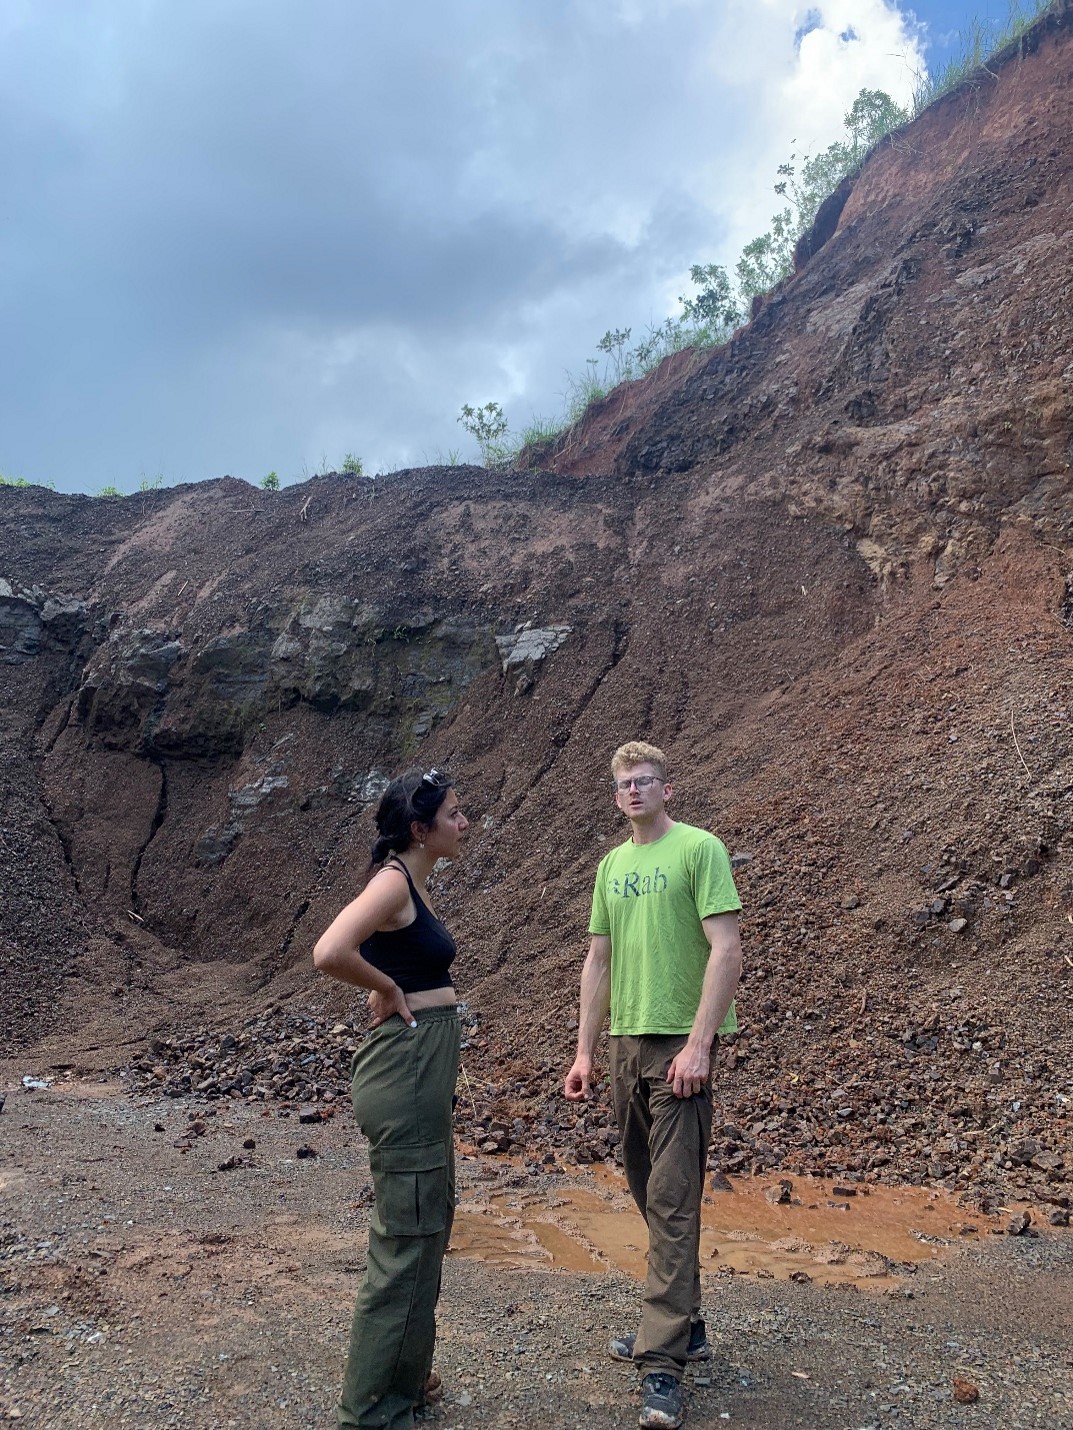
x,y
489,426
709,317
805,183
979,42
147,484
49,486
439,458
870,118
706,320
270,482
539,430
350,466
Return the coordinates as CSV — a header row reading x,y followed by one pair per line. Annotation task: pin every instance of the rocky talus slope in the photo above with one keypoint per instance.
x,y
828,567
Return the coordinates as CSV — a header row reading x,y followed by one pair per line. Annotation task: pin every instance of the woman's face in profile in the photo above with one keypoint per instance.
x,y
448,829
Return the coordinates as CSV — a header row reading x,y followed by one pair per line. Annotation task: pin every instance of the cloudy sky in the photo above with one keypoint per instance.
x,y
251,235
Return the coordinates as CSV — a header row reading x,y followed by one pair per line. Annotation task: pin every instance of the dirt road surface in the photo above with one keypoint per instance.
x,y
146,1285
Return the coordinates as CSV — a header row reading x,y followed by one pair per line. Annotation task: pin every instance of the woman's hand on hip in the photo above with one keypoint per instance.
x,y
385,1005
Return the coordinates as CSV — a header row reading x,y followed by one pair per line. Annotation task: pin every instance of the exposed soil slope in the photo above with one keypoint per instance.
x,y
827,567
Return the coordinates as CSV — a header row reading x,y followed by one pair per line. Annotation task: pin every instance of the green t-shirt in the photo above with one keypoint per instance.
x,y
650,899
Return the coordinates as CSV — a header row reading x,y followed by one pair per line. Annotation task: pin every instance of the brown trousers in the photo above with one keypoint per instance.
x,y
664,1153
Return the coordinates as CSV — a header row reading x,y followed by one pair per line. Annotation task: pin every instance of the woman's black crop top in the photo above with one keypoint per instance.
x,y
418,956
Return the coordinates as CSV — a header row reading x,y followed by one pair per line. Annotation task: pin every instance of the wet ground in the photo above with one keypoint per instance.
x,y
210,1288
800,1229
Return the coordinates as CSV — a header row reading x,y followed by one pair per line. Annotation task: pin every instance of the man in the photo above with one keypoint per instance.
x,y
665,958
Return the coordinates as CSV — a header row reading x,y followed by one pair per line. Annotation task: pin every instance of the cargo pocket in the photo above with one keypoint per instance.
x,y
411,1189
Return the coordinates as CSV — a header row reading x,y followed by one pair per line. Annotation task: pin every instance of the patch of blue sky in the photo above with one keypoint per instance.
x,y
813,20
947,21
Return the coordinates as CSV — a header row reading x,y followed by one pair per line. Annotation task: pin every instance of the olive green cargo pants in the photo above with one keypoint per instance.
x,y
664,1154
402,1089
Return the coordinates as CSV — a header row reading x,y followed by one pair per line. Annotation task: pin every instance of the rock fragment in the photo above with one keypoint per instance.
x,y
965,1393
780,1194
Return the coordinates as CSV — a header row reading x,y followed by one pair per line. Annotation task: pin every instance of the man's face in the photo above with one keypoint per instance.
x,y
645,792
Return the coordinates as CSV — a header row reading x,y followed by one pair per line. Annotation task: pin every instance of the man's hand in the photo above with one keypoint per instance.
x,y
595,1001
689,1070
385,1005
578,1080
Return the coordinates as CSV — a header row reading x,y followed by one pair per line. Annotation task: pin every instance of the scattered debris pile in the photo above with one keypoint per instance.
x,y
929,1104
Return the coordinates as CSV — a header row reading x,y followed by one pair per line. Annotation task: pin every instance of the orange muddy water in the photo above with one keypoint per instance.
x,y
827,1232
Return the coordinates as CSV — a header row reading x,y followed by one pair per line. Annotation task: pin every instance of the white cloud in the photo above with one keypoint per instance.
x,y
244,237
796,87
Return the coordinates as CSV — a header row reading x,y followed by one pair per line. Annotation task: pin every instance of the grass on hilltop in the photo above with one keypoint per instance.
x,y
980,42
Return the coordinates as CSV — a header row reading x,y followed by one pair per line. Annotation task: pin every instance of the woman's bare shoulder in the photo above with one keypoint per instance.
x,y
388,890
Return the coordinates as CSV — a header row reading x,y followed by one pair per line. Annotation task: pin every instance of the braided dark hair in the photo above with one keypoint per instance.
x,y
414,796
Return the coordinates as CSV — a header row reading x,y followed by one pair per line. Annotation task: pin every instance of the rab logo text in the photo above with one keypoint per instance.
x,y
633,886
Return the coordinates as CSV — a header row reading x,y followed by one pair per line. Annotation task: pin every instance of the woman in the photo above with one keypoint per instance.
x,y
390,942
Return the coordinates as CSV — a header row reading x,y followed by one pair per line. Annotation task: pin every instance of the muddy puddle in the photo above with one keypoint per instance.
x,y
826,1232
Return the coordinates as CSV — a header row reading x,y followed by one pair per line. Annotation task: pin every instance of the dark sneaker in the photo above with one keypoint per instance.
x,y
663,1407
621,1347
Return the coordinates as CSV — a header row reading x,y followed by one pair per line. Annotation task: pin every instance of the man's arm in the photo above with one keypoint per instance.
x,y
595,1002
689,1070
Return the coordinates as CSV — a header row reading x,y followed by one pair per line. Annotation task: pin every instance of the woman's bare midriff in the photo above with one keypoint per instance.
x,y
431,998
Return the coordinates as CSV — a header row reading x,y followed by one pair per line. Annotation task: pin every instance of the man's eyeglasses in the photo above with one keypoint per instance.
x,y
641,781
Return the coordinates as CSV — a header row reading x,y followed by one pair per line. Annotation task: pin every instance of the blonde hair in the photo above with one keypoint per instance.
x,y
637,752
